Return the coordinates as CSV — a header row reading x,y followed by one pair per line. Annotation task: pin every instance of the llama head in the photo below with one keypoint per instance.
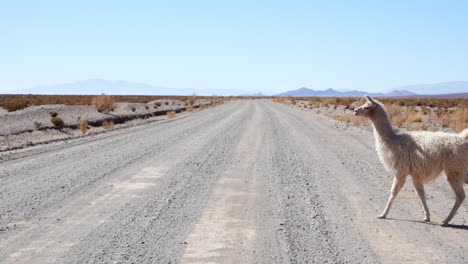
x,y
368,109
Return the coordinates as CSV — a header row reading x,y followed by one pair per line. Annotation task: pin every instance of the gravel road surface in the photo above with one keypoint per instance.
x,y
245,182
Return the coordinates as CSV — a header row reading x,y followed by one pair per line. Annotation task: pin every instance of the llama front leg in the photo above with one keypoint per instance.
x,y
457,186
398,183
422,196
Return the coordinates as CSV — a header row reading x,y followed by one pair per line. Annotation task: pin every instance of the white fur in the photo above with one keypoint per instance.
x,y
422,155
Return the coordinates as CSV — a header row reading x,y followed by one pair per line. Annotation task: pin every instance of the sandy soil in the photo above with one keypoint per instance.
x,y
245,182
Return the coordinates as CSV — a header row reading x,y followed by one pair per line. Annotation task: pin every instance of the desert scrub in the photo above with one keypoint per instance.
x,y
171,114
415,117
191,100
459,119
108,124
133,109
103,103
37,125
15,104
83,126
57,122
157,104
351,118
146,107
189,108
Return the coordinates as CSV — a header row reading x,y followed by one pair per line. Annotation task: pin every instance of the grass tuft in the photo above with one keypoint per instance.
x,y
171,114
103,103
83,126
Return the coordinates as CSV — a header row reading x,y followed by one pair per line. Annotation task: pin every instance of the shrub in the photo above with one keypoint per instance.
x,y
191,99
57,122
415,117
157,104
146,107
103,103
189,108
15,104
171,114
133,109
53,114
83,126
166,103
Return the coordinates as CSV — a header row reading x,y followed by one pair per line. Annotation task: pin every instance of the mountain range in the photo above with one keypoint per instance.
x,y
304,92
444,88
100,86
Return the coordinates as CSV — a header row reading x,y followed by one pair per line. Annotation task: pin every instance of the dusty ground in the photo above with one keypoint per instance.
x,y
246,182
32,125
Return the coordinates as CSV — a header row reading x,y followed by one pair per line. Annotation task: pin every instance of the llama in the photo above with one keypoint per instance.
x,y
422,155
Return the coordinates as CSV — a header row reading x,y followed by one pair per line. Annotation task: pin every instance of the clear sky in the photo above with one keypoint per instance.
x,y
245,45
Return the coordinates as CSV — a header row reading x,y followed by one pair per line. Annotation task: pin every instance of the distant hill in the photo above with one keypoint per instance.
x,y
303,92
445,96
437,88
100,86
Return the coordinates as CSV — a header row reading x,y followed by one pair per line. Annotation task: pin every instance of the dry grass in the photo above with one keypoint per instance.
x,y
103,103
398,120
351,118
15,104
459,120
30,100
108,124
171,114
83,126
411,113
414,117
189,108
191,100
279,100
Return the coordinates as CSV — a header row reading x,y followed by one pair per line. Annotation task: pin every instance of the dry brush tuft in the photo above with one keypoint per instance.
x,y
171,114
103,103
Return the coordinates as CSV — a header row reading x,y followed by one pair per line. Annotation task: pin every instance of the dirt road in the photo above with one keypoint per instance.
x,y
246,182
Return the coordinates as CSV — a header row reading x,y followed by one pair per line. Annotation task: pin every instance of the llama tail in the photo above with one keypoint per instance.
x,y
464,134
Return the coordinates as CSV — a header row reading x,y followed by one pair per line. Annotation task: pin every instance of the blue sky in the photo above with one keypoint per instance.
x,y
245,45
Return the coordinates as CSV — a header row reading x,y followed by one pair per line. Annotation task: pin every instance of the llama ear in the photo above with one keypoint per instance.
x,y
369,99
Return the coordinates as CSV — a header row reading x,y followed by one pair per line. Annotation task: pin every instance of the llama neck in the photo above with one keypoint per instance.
x,y
382,125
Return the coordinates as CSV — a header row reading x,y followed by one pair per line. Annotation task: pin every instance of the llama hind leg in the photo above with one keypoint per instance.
x,y
422,196
398,183
457,185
